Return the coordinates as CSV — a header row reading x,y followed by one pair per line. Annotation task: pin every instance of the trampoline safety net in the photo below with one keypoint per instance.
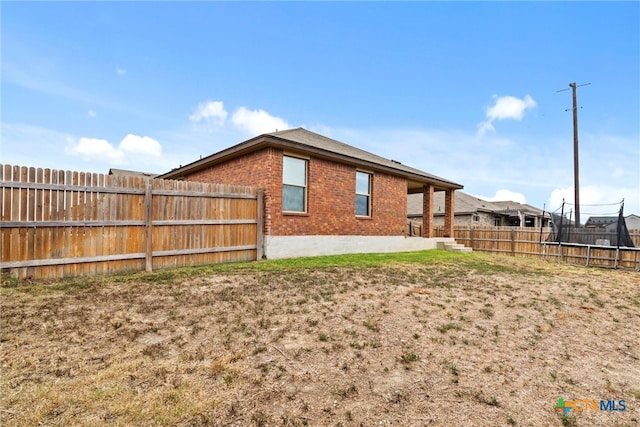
x,y
617,234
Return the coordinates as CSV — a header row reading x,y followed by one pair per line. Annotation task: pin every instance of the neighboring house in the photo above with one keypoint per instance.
x,y
323,196
601,221
610,223
633,222
516,214
471,210
124,172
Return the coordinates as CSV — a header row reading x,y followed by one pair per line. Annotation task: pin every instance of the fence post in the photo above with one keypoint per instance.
x,y
260,224
148,224
588,254
559,252
513,242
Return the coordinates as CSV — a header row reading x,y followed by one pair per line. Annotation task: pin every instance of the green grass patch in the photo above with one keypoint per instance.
x,y
432,259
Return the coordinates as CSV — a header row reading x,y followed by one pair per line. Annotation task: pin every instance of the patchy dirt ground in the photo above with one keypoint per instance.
x,y
471,340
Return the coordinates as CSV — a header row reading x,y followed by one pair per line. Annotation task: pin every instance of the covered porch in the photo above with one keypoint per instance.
x,y
428,189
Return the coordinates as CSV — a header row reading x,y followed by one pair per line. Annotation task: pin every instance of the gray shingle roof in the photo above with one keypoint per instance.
x,y
467,204
508,206
314,144
600,220
125,172
312,139
463,204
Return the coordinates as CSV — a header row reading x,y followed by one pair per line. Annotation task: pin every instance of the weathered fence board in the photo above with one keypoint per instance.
x,y
56,223
532,242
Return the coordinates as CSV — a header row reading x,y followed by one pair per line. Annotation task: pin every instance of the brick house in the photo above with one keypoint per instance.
x,y
322,196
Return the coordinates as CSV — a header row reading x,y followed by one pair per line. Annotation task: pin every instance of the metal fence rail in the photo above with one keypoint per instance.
x,y
532,242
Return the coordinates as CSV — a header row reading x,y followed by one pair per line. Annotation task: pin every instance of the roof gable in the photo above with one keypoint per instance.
x,y
305,141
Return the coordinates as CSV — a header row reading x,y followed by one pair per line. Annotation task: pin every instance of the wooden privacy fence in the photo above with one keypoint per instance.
x,y
57,224
532,242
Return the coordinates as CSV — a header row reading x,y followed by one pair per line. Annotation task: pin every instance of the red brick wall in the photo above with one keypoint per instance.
x,y
330,192
254,170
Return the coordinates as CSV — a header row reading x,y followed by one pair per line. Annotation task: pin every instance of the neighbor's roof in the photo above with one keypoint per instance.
x,y
466,204
124,172
600,220
463,204
304,141
508,206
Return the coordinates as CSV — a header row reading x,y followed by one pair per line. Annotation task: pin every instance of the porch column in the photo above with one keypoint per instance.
x,y
448,212
427,211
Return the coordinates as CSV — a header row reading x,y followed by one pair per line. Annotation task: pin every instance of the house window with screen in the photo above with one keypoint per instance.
x,y
294,184
363,194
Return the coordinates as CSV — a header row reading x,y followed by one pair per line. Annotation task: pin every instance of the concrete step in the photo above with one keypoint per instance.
x,y
457,247
462,248
451,245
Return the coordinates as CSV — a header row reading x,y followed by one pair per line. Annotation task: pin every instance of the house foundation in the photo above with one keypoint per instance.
x,y
278,247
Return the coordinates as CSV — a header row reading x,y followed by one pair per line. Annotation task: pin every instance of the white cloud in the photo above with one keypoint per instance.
x,y
140,145
120,71
618,173
505,107
589,195
485,127
211,112
91,114
257,122
254,122
509,107
131,148
596,200
506,195
92,148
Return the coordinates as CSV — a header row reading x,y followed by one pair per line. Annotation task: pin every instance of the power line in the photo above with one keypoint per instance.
x,y
601,213
601,204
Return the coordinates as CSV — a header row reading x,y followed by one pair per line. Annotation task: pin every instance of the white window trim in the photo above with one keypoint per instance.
x,y
305,187
369,194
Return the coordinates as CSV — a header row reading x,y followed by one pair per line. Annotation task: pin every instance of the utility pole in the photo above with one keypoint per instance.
x,y
576,171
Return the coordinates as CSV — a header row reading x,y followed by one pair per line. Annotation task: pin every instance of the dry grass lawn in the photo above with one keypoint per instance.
x,y
416,339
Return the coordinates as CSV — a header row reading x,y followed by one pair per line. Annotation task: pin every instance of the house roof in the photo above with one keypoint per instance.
x,y
508,207
596,221
125,172
631,221
463,204
303,141
466,204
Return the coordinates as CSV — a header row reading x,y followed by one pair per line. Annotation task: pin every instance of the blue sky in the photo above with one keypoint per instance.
x,y
463,90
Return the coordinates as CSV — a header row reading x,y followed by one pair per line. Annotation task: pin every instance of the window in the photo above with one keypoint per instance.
x,y
294,184
363,194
